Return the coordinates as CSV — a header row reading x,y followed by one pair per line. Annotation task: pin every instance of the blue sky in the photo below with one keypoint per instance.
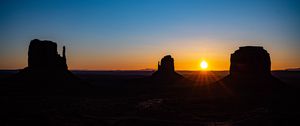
x,y
102,34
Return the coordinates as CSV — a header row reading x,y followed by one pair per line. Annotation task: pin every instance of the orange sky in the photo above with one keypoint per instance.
x,y
187,54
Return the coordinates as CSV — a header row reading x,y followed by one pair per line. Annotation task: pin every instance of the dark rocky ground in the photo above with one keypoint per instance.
x,y
132,98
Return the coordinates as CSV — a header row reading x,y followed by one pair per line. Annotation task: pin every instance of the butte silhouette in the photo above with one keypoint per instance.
x,y
44,85
44,62
166,70
47,70
251,86
250,76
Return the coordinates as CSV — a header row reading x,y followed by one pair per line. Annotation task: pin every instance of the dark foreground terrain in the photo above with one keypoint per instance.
x,y
117,98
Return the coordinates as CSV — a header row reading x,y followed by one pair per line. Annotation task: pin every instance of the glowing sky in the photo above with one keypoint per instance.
x,y
135,34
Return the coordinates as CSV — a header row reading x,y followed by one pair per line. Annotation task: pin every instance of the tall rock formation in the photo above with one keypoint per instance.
x,y
250,86
44,62
167,65
44,85
250,76
165,69
47,72
250,61
43,55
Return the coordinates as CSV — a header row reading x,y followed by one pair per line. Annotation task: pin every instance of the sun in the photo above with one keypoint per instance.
x,y
203,65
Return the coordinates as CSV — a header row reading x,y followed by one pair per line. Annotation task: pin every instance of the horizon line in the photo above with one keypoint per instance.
x,y
141,70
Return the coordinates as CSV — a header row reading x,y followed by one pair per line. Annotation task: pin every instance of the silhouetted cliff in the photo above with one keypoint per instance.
x,y
250,76
43,55
47,71
43,87
250,60
166,69
167,65
44,62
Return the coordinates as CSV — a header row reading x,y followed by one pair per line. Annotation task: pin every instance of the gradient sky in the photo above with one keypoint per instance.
x,y
135,34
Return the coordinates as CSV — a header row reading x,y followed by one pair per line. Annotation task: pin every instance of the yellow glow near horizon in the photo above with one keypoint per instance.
x,y
203,65
187,53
